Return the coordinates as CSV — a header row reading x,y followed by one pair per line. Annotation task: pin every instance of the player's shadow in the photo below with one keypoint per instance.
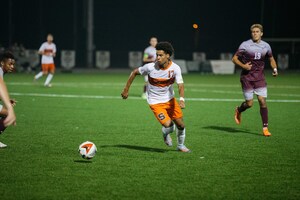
x,y
83,161
229,129
139,148
136,95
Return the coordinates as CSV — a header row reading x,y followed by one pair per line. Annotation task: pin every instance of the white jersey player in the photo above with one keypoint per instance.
x,y
48,52
149,57
160,94
160,82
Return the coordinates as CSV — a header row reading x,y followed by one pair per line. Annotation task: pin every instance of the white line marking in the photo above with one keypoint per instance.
x,y
68,96
235,92
139,98
188,88
76,84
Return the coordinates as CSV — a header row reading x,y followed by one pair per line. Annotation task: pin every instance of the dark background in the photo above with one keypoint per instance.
x,y
122,26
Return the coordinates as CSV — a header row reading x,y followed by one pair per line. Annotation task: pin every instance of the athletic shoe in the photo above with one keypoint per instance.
x,y
183,148
48,85
266,132
237,116
168,140
2,145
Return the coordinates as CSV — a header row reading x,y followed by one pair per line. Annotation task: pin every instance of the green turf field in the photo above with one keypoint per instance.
x,y
228,161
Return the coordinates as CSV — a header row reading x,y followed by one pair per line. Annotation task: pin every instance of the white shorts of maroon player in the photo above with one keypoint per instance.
x,y
254,87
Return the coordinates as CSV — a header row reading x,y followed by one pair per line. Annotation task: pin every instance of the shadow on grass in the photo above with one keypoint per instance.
x,y
136,95
83,161
230,130
139,148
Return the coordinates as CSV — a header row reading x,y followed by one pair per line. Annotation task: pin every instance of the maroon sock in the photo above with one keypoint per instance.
x,y
2,127
145,88
264,116
243,107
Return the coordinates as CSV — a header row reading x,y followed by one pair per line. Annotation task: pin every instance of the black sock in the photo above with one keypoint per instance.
x,y
2,127
243,107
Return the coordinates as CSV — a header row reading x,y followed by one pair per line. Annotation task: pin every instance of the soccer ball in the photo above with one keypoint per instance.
x,y
87,150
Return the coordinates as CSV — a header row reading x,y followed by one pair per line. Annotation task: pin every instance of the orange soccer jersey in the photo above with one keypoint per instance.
x,y
160,92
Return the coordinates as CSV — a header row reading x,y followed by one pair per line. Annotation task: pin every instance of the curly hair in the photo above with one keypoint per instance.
x,y
166,47
6,55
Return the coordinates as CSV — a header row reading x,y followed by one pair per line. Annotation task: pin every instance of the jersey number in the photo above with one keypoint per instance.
x,y
161,116
171,73
257,56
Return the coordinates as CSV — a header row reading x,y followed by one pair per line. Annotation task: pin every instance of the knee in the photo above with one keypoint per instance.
x,y
3,112
180,126
249,104
263,104
168,124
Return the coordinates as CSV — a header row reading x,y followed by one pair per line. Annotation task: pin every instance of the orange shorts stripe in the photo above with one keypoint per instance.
x,y
167,111
48,68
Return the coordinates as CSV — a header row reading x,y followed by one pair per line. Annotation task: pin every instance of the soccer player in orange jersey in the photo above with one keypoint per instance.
x,y
48,52
160,93
7,115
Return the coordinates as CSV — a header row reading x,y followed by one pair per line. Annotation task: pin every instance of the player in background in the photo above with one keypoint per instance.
x,y
149,56
48,52
162,74
7,115
250,56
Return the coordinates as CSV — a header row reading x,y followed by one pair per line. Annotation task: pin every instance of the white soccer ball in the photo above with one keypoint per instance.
x,y
87,150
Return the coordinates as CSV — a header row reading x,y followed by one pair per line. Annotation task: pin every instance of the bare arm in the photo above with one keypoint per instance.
x,y
4,111
236,61
47,54
11,117
132,76
273,65
181,95
146,58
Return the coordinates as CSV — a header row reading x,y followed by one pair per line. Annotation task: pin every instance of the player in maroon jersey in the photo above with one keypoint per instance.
x,y
250,56
7,114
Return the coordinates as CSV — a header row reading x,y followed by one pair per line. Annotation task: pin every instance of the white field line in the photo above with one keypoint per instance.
x,y
240,92
69,84
188,87
138,98
89,84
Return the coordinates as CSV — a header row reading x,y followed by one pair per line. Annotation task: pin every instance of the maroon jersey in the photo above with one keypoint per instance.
x,y
255,53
